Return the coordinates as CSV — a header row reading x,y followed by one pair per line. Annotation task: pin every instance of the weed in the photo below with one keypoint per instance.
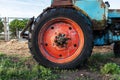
x,y
110,68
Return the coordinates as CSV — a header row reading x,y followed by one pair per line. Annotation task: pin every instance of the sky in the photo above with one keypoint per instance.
x,y
29,8
22,8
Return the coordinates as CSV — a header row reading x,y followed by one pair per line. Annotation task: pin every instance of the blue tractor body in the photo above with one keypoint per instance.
x,y
102,17
95,9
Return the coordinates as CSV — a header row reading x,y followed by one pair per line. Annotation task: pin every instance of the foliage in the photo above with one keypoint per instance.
x,y
17,25
14,68
110,68
115,77
1,26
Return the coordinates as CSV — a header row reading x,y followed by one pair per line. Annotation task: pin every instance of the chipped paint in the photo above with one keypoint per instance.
x,y
102,4
96,10
98,25
92,8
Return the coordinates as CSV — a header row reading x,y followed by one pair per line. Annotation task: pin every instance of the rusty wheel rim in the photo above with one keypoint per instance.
x,y
61,40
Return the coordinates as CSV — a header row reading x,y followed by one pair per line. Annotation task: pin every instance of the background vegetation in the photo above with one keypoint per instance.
x,y
16,26
1,26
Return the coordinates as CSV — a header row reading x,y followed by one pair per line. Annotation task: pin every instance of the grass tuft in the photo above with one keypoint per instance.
x,y
110,68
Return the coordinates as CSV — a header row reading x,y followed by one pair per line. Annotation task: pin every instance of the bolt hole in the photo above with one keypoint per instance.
x,y
60,55
75,45
70,28
52,27
46,44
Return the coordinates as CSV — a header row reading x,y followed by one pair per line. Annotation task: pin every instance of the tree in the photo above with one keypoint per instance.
x,y
17,25
1,26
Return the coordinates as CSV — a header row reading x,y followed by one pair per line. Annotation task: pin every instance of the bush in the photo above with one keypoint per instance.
x,y
17,25
110,68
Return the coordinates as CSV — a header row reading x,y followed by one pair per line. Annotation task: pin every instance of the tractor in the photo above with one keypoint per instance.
x,y
64,34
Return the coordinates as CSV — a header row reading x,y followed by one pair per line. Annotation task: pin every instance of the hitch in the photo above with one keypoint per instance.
x,y
28,26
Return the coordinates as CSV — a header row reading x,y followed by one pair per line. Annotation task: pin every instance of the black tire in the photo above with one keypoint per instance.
x,y
117,49
74,15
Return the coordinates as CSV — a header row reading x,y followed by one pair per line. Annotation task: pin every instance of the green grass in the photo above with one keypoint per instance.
x,y
25,68
16,68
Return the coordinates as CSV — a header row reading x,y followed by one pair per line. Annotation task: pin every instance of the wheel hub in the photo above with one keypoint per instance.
x,y
61,40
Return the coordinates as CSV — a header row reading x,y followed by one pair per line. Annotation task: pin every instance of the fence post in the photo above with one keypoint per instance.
x,y
6,29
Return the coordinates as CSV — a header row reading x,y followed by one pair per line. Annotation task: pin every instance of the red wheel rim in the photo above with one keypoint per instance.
x,y
61,40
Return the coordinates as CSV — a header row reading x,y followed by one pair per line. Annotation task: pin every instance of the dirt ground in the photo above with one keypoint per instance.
x,y
21,48
15,47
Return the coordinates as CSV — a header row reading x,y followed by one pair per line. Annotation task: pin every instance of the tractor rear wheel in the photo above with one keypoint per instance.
x,y
62,38
117,49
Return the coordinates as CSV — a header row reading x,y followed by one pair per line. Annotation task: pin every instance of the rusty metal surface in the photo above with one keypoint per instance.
x,y
98,25
102,4
56,3
112,10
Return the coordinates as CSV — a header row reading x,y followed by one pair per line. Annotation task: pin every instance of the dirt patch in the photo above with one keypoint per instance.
x,y
103,49
21,48
83,75
15,47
